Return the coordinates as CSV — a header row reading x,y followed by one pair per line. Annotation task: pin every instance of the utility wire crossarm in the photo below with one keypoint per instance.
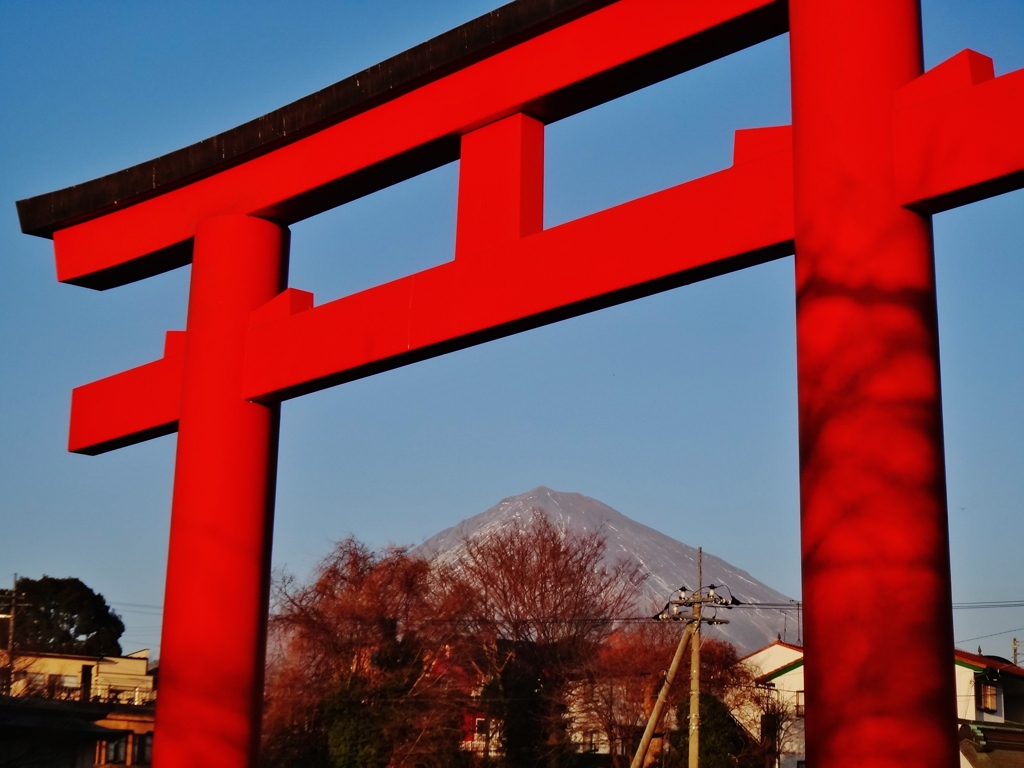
x,y
691,635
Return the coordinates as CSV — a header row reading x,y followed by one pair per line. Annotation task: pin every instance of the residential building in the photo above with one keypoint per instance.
x,y
73,711
989,701
773,712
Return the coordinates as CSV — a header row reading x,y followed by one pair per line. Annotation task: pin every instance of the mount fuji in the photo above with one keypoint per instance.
x,y
659,563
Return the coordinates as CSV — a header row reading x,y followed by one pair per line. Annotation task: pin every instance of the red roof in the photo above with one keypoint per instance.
x,y
799,648
989,662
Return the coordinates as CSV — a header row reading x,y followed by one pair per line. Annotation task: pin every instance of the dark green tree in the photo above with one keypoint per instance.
x,y
65,616
723,741
357,734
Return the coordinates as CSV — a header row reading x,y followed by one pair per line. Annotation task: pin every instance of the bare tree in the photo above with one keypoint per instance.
x,y
619,696
386,660
358,670
771,717
538,601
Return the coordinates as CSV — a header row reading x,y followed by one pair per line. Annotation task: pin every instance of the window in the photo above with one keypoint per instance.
x,y
988,697
35,682
117,750
481,726
62,686
142,753
799,703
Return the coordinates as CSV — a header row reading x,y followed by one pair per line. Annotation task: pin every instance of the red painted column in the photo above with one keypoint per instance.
x,y
878,632
501,184
215,607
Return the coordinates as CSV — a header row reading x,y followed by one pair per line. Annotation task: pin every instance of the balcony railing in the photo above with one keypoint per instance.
x,y
98,694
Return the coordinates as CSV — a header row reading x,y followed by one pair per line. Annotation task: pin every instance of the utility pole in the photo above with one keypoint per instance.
x,y
659,705
1016,649
695,668
13,595
691,634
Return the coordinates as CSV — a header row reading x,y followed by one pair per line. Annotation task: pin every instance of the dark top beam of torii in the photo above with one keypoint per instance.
x,y
451,51
876,147
43,214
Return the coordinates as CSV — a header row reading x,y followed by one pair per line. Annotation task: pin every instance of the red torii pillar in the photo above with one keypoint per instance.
x,y
872,476
218,562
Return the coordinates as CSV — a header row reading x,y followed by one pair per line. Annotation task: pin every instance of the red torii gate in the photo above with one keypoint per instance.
x,y
876,147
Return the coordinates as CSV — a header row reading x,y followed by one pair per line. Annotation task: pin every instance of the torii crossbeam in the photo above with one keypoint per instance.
x,y
875,148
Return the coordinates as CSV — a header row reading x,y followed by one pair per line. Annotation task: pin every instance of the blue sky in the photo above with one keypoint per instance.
x,y
679,410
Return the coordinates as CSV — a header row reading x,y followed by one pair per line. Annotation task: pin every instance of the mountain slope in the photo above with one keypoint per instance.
x,y
659,561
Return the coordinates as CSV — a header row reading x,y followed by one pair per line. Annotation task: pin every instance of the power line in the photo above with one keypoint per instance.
x,y
994,634
791,605
798,604
143,608
991,604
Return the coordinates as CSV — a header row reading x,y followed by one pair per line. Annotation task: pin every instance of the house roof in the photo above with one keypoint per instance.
x,y
979,662
992,745
67,718
60,725
974,661
780,671
773,644
82,657
52,655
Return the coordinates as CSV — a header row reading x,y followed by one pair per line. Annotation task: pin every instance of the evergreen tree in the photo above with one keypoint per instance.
x,y
723,741
65,616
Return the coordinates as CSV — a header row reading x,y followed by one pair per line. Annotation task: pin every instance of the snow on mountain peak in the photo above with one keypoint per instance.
x,y
659,563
